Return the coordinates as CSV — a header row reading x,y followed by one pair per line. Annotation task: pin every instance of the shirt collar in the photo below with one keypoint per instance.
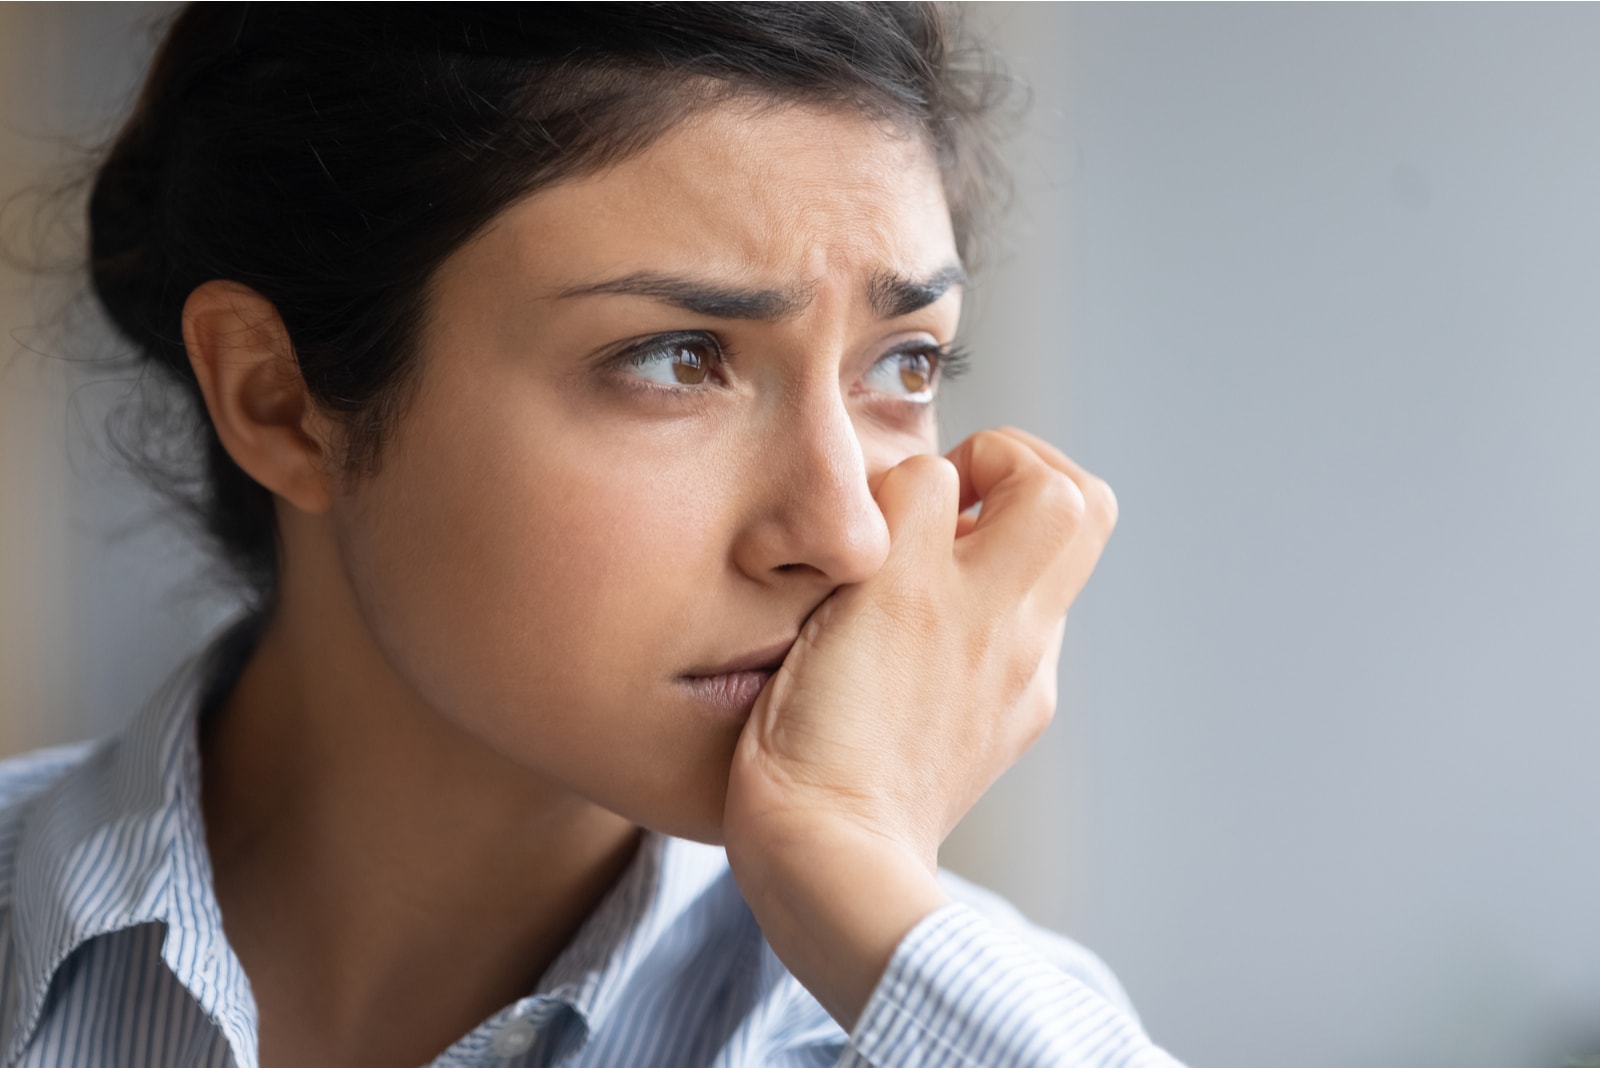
x,y
119,841
668,877
638,925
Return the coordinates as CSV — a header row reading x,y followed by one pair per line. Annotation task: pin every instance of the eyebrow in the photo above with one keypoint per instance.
x,y
890,295
893,295
702,298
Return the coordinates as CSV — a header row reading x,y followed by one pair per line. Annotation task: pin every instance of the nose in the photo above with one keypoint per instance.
x,y
813,512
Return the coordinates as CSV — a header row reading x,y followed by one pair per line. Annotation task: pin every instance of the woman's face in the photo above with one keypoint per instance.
x,y
652,400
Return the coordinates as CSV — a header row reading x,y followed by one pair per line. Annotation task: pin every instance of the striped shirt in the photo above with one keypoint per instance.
x,y
112,952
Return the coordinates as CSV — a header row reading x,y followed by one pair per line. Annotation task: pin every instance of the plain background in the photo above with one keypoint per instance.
x,y
1314,289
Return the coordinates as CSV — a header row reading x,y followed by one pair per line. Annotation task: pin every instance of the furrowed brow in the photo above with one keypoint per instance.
x,y
893,295
702,298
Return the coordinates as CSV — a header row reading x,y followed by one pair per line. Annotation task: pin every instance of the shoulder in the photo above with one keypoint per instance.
x,y
27,776
24,779
1076,960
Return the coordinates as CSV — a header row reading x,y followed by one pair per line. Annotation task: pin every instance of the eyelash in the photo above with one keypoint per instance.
x,y
950,361
642,353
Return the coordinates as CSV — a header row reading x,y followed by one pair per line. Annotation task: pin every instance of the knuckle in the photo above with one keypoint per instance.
x,y
1020,672
929,477
943,474
980,651
1101,502
988,443
1005,439
1041,710
1062,500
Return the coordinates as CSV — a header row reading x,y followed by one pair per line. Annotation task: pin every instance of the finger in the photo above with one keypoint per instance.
x,y
1099,501
993,468
1027,504
1088,541
918,499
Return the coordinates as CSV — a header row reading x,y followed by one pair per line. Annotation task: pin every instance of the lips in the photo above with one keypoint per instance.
x,y
733,686
766,659
733,694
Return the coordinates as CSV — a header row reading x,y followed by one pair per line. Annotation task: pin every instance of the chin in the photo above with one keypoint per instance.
x,y
695,816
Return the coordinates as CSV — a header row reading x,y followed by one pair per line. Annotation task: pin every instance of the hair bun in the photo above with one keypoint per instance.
x,y
125,258
129,268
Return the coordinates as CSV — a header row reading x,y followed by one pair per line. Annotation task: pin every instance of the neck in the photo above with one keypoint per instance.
x,y
364,847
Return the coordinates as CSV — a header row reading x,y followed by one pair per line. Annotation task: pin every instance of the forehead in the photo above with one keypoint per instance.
x,y
776,195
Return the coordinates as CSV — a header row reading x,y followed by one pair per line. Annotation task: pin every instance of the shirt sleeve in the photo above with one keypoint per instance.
x,y
963,992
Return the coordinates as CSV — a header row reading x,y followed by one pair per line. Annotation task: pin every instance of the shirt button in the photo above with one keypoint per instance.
x,y
515,1037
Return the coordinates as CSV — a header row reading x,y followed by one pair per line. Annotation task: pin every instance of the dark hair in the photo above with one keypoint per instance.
x,y
332,156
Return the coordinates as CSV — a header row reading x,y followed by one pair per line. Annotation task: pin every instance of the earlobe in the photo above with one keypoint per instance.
x,y
244,359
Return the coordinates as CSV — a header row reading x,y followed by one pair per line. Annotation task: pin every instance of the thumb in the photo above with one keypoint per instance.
x,y
918,498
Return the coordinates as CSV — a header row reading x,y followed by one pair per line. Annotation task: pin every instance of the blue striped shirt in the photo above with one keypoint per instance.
x,y
112,950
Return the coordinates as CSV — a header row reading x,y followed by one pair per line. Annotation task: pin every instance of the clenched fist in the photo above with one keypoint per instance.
x,y
904,698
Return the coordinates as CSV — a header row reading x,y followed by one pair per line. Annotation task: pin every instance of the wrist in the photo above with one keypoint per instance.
x,y
834,904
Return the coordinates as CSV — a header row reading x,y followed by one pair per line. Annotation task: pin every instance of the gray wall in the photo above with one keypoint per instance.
x,y
1311,287
1314,287
98,598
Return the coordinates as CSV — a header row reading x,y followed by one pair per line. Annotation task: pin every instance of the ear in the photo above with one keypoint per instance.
x,y
244,359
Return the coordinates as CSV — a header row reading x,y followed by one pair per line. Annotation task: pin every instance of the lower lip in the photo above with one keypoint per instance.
x,y
733,694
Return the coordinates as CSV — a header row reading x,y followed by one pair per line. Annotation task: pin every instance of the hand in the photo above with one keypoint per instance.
x,y
904,698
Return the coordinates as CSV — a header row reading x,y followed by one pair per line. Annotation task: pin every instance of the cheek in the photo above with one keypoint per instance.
x,y
883,448
533,578
520,560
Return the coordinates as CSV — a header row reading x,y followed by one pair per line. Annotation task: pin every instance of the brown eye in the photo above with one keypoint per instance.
x,y
689,366
916,372
907,375
677,360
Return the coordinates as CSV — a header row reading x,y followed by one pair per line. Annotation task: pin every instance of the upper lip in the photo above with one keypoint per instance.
x,y
767,658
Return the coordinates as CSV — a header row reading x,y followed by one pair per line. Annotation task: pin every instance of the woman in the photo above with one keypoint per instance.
x,y
623,648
